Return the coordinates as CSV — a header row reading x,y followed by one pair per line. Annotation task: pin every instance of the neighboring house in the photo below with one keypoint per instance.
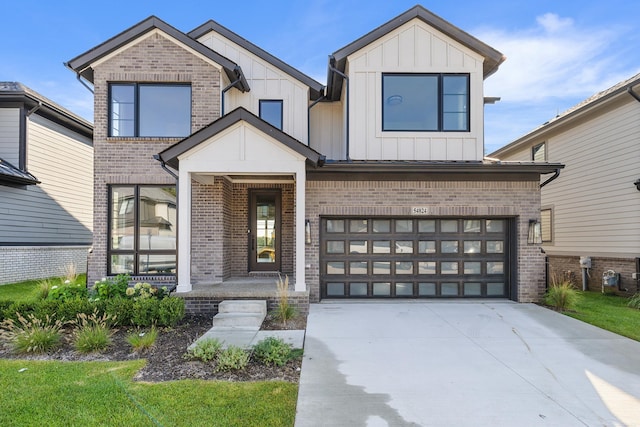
x,y
373,186
46,186
593,208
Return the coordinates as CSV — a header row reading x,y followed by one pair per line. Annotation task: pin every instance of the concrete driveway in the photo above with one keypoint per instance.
x,y
459,363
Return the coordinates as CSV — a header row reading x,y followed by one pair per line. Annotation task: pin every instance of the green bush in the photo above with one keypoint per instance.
x,y
145,312
68,291
39,309
32,335
634,301
205,350
273,351
93,333
111,288
141,341
232,358
145,291
68,310
561,296
123,308
170,311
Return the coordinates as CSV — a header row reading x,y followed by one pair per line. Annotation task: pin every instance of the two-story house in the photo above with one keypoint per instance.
x,y
373,186
46,191
591,211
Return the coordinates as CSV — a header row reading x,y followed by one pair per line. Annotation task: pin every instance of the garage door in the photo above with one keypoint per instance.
x,y
414,258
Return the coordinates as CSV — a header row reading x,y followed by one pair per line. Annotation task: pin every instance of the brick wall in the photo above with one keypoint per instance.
x,y
568,267
19,263
209,305
130,160
517,199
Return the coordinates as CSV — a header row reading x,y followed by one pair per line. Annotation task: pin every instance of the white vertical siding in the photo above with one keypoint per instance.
x,y
266,82
413,48
10,135
327,129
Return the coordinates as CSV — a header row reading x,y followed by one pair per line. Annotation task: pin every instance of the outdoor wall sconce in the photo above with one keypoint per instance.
x,y
307,231
535,232
637,184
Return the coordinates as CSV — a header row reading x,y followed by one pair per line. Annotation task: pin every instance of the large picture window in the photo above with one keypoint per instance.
x,y
142,229
425,102
149,110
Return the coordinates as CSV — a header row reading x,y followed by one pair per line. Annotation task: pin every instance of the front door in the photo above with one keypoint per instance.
x,y
264,230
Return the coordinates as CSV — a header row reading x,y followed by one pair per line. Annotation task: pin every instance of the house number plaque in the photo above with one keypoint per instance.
x,y
420,210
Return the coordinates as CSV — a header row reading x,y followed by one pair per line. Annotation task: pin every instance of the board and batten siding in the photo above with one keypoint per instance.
x,y
414,47
596,207
266,82
327,131
10,135
59,209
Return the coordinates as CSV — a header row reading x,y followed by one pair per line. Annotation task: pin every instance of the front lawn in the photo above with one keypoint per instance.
x,y
103,394
20,292
608,312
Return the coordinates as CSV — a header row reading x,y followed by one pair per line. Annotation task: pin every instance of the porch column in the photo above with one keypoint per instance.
x,y
301,182
184,234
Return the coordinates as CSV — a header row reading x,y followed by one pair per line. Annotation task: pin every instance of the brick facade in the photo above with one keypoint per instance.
x,y
19,263
568,267
516,199
153,58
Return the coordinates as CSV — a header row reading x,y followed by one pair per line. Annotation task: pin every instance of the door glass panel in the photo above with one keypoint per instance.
x,y
381,226
358,267
449,267
382,289
404,289
335,289
357,289
381,247
265,230
382,267
427,247
449,226
495,267
335,247
404,226
473,289
404,247
404,267
426,289
449,246
495,246
358,247
449,289
495,289
472,268
427,226
358,226
335,226
427,267
335,267
472,246
495,225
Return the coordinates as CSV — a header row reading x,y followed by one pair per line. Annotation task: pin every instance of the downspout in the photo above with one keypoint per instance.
x,y
555,175
633,94
332,60
163,165
309,117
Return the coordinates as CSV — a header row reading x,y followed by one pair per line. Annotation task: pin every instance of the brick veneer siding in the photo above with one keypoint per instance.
x,y
130,160
19,263
209,305
518,199
568,267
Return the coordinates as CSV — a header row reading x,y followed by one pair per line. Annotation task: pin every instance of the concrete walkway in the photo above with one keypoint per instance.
x,y
463,364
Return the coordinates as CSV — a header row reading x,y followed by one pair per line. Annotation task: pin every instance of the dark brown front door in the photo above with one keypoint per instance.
x,y
264,230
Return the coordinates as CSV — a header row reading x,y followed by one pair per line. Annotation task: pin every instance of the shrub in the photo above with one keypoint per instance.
x,y
634,301
39,309
561,296
232,358
111,288
43,289
93,332
142,341
205,350
32,335
68,291
145,312
284,311
68,310
146,291
123,308
170,311
273,351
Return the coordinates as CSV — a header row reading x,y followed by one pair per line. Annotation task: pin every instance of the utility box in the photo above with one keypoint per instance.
x,y
610,279
585,262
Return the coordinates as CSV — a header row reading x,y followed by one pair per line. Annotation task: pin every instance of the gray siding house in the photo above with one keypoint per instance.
x,y
46,175
372,185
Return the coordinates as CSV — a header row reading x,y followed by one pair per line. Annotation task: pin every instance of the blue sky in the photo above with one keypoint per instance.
x,y
558,52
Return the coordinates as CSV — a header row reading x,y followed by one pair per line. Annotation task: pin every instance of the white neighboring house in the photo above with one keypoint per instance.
x,y
593,208
46,186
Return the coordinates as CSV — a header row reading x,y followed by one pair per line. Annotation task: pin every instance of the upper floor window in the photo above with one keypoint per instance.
x,y
271,112
149,110
539,152
425,102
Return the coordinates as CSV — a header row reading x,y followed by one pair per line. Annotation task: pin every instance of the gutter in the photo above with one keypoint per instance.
x,y
633,94
555,175
332,61
78,76
163,165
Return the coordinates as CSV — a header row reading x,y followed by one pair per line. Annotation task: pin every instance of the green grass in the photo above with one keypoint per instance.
x,y
28,290
103,394
608,312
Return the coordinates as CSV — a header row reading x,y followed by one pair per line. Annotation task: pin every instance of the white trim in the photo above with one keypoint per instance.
x,y
300,261
184,225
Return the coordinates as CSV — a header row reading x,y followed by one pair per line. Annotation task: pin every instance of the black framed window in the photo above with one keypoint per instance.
x,y
149,110
539,152
271,112
425,102
142,229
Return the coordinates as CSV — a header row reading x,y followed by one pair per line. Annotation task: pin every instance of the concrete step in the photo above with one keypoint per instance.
x,y
238,320
243,306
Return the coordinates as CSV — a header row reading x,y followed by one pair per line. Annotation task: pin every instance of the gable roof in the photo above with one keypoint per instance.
x,y
170,155
317,88
12,175
492,58
594,101
82,63
17,92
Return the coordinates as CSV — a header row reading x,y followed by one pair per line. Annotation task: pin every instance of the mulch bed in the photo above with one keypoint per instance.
x,y
166,361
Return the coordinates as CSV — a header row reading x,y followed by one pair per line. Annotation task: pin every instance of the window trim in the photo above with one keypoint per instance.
x,y
136,251
440,102
272,101
136,107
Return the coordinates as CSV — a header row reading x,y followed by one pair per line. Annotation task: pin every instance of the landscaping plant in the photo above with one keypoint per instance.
x,y
284,311
634,301
112,287
143,340
205,350
561,295
274,351
93,333
31,334
232,358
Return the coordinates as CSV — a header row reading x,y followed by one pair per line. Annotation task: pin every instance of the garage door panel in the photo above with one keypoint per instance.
x,y
414,258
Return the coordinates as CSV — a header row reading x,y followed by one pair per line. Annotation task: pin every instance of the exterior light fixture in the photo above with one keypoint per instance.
x,y
535,232
307,231
637,184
